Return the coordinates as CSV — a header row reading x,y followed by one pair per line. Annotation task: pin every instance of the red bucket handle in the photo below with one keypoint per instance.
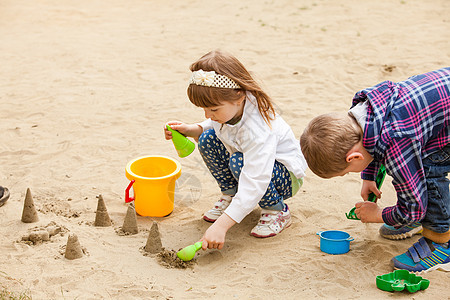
x,y
127,192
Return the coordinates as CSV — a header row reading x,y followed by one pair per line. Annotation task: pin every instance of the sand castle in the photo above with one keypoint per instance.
x,y
42,234
36,237
73,247
154,244
29,213
101,217
130,222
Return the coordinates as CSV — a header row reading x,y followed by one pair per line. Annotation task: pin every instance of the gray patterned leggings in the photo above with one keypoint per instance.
x,y
226,170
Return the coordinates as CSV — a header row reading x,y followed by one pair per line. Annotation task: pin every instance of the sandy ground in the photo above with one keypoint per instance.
x,y
86,86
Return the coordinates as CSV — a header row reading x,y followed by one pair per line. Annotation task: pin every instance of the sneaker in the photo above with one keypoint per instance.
x,y
272,222
4,195
389,232
423,256
214,213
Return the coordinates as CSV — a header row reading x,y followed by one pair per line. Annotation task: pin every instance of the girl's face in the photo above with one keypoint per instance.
x,y
226,111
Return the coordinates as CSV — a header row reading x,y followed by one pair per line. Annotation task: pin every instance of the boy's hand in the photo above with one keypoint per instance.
x,y
369,212
368,187
214,237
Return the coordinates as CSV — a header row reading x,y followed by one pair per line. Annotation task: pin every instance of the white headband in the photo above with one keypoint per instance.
x,y
212,79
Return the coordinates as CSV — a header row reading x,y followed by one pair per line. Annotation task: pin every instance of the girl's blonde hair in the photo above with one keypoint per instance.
x,y
326,141
225,64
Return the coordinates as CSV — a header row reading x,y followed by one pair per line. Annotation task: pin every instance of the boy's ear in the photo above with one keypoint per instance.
x,y
355,155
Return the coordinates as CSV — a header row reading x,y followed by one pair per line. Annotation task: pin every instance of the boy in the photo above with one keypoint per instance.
x,y
406,127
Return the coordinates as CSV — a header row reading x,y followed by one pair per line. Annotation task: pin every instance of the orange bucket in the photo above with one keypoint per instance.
x,y
153,180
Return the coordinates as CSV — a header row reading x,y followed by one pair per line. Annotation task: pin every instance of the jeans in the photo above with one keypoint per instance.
x,y
437,166
226,169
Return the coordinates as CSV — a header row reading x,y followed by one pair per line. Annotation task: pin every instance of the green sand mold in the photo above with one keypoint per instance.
x,y
182,144
351,215
400,280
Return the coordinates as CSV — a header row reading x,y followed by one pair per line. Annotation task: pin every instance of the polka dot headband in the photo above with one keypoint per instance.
x,y
212,79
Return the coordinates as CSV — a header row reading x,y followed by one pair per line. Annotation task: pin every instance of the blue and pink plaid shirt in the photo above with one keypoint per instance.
x,y
406,121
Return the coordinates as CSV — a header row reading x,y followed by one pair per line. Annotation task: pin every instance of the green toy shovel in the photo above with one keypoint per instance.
x,y
379,181
182,144
188,253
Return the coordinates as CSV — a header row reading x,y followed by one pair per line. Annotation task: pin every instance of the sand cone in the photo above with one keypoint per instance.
x,y
130,222
154,244
182,144
29,213
101,217
73,247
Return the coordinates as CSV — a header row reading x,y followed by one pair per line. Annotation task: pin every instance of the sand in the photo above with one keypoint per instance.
x,y
86,86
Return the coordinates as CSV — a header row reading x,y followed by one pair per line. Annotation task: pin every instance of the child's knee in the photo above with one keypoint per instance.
x,y
206,140
236,163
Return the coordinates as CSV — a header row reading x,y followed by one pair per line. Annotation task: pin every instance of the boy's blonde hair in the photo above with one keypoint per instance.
x,y
326,141
225,64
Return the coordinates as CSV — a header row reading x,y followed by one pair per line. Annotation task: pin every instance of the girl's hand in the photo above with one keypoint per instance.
x,y
191,130
214,237
368,187
369,212
175,125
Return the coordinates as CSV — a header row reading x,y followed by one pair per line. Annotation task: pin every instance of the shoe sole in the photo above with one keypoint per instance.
x,y
272,234
405,235
440,267
208,219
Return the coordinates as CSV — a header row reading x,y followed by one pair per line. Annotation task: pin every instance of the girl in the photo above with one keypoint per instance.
x,y
248,148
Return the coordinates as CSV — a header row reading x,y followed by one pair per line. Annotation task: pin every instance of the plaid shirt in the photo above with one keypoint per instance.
x,y
406,121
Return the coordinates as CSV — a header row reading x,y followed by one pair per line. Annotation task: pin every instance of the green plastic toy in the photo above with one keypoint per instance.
x,y
188,253
379,181
182,144
400,280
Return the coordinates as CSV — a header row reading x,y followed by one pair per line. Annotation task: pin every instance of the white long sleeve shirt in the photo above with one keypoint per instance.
x,y
260,145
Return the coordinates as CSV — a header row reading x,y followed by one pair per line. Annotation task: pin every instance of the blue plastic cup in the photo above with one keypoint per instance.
x,y
334,241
